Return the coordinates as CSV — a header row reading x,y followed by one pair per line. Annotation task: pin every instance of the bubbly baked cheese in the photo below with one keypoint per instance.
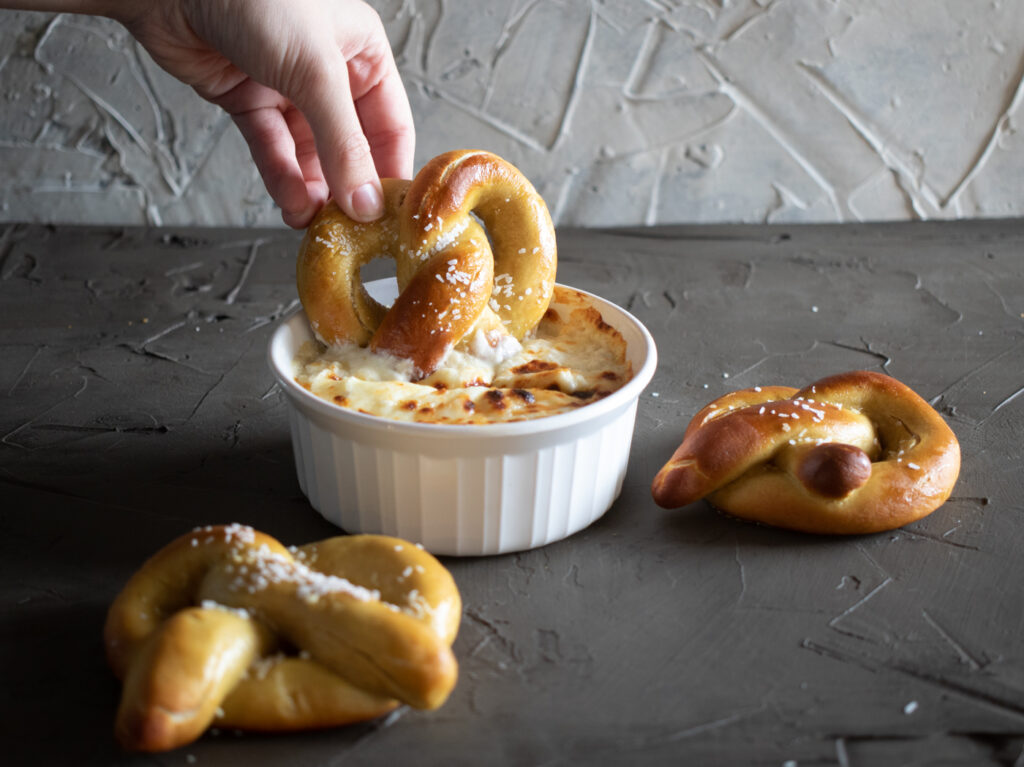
x,y
573,358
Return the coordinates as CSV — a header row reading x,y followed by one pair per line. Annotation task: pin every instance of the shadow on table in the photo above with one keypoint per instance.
x,y
59,700
74,539
115,510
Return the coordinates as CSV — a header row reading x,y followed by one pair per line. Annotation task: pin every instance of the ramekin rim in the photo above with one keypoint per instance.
x,y
620,398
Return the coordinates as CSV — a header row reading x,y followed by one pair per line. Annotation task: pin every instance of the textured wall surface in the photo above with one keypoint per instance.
x,y
621,112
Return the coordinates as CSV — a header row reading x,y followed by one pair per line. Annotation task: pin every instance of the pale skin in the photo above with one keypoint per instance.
x,y
311,84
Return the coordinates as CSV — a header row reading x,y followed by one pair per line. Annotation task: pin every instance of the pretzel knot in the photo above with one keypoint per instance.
x,y
853,453
226,626
453,287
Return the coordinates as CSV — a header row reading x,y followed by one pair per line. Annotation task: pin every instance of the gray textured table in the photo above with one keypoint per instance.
x,y
135,403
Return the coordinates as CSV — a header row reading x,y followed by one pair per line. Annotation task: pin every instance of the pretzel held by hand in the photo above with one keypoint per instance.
x,y
226,626
453,287
853,453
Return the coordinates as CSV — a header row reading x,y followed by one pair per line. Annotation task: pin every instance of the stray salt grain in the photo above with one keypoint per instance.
x,y
910,708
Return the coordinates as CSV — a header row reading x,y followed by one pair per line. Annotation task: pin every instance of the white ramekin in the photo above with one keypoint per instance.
x,y
464,490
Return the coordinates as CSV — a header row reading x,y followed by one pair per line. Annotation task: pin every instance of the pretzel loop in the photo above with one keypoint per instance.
x,y
207,632
454,289
852,453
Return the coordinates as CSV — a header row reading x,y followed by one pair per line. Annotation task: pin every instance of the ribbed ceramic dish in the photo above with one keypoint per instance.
x,y
466,490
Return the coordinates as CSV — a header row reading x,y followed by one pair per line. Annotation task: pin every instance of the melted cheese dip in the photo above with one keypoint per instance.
x,y
572,359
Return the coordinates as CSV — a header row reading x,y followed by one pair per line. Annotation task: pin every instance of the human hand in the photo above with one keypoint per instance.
x,y
311,84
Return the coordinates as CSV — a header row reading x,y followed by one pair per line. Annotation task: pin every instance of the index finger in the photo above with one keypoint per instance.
x,y
327,103
387,122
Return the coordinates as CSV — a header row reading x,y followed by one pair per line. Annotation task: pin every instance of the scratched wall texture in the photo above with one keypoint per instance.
x,y
621,112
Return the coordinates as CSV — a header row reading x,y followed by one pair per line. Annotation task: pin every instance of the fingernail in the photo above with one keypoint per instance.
x,y
367,203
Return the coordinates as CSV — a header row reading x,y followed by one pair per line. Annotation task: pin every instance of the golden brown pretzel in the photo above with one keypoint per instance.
x,y
857,452
452,285
226,626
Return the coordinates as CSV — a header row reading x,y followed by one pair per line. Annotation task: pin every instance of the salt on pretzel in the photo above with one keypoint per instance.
x,y
456,280
853,453
225,626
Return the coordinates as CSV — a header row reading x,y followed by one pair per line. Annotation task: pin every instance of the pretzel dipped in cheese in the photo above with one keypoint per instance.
x,y
458,283
225,626
853,453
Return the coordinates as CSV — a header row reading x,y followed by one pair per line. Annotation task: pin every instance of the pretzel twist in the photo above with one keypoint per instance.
x,y
853,453
452,284
226,626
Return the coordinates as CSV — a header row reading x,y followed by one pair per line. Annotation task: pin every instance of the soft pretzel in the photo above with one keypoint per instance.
x,y
853,453
226,626
455,279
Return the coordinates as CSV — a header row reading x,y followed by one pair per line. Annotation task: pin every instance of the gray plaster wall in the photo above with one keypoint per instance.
x,y
621,112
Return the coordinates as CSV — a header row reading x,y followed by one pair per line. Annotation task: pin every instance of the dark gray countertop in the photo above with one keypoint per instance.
x,y
135,403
